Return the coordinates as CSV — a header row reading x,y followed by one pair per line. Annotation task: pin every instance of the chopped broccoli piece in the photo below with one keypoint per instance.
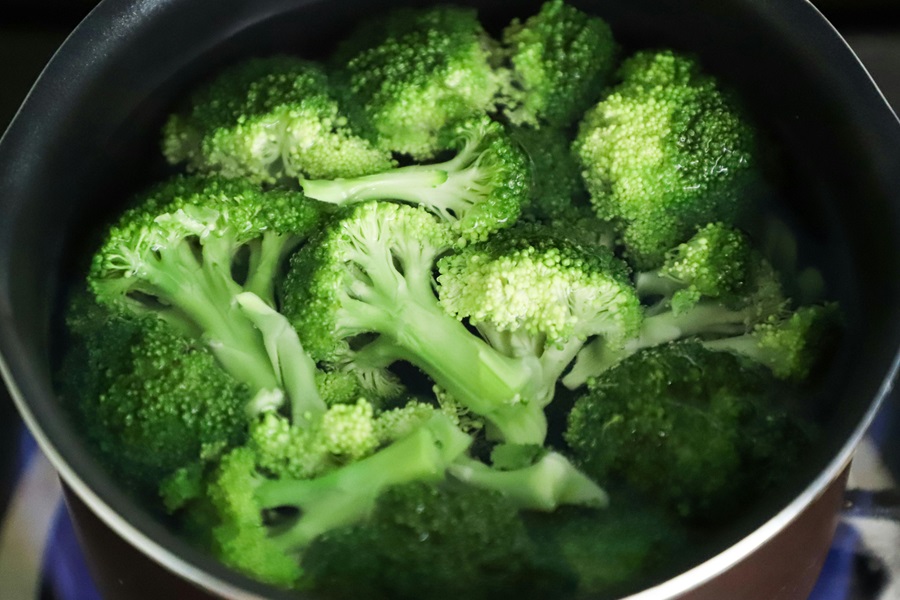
x,y
269,119
176,254
481,189
531,294
694,428
433,542
611,552
715,284
790,346
417,72
255,535
561,59
665,152
149,399
371,273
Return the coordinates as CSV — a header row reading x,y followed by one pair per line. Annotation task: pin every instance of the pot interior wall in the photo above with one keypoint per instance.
x,y
88,138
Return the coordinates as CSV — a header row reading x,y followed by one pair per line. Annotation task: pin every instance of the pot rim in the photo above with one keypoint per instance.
x,y
830,40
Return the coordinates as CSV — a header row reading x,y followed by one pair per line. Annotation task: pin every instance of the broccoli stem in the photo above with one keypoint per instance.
x,y
701,320
348,494
410,184
550,482
206,296
497,387
651,283
295,369
266,257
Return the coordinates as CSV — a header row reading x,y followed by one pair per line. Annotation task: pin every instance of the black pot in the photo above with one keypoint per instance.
x,y
87,138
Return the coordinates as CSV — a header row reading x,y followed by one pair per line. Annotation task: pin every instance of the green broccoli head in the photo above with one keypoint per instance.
x,y
524,279
665,152
268,119
416,72
149,399
719,262
432,542
696,429
561,59
611,552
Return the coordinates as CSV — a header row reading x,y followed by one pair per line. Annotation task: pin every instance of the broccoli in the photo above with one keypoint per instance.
x,y
663,153
560,61
263,524
371,273
694,428
415,72
149,399
481,189
790,346
333,351
715,284
434,541
268,119
344,434
176,256
531,294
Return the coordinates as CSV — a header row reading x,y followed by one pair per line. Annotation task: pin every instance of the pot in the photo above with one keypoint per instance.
x,y
86,138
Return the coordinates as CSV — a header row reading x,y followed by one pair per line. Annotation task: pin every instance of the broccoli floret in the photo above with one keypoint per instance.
x,y
179,255
715,284
481,189
791,345
696,429
415,72
531,294
433,542
264,524
717,262
561,59
268,119
663,153
344,434
371,273
149,399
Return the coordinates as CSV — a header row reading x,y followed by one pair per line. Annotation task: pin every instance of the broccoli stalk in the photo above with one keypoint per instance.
x,y
481,189
550,482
